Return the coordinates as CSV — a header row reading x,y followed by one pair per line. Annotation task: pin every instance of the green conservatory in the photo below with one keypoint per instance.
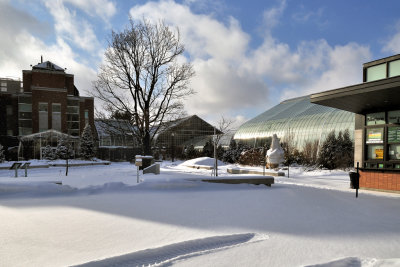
x,y
298,119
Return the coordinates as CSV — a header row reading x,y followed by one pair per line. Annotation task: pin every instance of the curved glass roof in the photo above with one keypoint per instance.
x,y
304,120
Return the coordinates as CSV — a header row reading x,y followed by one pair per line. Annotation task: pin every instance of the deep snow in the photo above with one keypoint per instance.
x,y
100,215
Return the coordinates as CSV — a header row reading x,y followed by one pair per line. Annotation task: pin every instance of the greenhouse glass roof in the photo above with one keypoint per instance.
x,y
303,120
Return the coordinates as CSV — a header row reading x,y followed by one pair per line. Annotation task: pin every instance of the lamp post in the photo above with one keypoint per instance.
x,y
172,146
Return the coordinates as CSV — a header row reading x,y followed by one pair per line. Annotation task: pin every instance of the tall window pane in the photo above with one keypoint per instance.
x,y
86,116
43,117
394,68
56,116
376,72
394,116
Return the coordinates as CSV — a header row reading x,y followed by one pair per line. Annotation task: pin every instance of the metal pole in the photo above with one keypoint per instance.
x,y
215,153
172,145
263,161
26,170
16,170
358,175
137,174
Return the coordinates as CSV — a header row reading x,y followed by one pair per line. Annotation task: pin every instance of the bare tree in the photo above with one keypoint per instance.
x,y
224,125
144,77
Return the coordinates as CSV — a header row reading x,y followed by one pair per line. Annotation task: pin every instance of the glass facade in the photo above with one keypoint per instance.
x,y
382,141
115,133
299,118
177,133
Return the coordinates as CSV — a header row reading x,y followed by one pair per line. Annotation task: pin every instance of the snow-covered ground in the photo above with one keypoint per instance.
x,y
100,216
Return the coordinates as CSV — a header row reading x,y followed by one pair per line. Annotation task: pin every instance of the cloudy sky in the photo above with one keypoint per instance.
x,y
248,55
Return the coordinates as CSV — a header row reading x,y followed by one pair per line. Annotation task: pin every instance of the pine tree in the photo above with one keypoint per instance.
x,y
190,152
328,153
208,149
348,149
87,143
64,151
228,155
2,156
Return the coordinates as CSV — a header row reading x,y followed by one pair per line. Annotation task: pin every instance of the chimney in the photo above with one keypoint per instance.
x,y
41,59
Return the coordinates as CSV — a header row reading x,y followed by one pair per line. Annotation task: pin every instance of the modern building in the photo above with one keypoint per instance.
x,y
47,100
298,118
376,103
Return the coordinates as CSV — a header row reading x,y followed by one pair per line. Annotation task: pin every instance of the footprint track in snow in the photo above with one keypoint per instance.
x,y
178,251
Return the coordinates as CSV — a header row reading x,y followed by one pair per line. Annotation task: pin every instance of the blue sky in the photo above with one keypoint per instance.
x,y
248,55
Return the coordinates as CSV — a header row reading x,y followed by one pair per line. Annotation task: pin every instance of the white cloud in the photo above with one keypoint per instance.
x,y
72,28
22,48
222,82
272,15
338,66
303,15
102,8
393,44
232,76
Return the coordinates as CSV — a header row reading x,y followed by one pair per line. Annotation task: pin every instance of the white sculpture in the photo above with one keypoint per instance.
x,y
275,155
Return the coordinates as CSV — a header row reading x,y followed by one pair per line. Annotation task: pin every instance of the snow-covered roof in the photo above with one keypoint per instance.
x,y
200,141
47,133
113,127
47,65
172,124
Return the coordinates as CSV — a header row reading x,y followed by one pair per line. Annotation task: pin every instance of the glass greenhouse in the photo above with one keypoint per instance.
x,y
298,118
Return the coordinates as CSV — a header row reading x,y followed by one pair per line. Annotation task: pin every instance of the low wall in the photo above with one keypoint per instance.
x,y
246,171
380,180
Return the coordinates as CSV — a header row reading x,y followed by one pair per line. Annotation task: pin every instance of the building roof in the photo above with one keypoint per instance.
x,y
48,133
48,65
298,117
363,98
170,125
108,127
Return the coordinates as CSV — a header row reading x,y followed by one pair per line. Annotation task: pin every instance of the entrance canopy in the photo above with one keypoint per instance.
x,y
363,98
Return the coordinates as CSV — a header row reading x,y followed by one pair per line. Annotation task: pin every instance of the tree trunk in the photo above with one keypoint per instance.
x,y
146,144
66,169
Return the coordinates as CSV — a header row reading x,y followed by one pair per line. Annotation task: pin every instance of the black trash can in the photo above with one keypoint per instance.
x,y
354,180
147,161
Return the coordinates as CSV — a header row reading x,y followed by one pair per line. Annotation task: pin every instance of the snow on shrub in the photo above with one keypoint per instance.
x,y
87,143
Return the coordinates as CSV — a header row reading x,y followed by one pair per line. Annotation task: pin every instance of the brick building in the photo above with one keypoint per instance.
x,y
46,99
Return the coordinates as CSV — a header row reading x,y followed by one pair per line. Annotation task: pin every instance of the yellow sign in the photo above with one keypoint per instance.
x,y
379,153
